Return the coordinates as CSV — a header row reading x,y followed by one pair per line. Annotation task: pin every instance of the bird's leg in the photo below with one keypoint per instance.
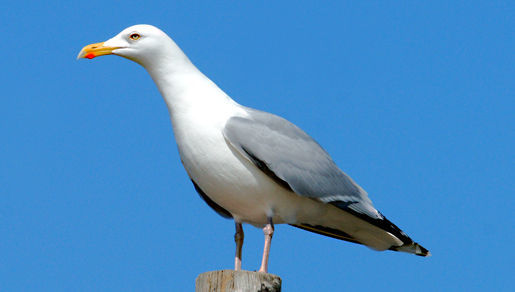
x,y
268,230
238,238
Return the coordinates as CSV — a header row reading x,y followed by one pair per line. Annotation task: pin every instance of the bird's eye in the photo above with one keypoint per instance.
x,y
134,36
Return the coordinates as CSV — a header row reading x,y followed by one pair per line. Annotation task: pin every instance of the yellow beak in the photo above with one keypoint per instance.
x,y
95,50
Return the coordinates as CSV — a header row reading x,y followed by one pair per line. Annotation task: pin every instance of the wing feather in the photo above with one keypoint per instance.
x,y
295,160
298,163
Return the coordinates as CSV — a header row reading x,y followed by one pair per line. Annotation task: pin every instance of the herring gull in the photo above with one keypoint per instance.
x,y
249,165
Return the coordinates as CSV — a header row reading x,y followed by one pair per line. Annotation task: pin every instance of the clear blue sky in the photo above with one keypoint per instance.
x,y
415,100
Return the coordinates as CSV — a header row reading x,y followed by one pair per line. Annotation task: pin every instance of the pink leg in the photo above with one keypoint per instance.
x,y
238,238
268,230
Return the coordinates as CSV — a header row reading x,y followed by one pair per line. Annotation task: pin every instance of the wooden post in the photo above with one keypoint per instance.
x,y
237,281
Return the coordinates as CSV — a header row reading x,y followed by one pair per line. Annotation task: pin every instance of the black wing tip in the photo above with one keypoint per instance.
x,y
423,251
413,248
382,222
409,247
327,231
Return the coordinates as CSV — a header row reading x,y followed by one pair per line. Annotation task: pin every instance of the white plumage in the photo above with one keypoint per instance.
x,y
253,166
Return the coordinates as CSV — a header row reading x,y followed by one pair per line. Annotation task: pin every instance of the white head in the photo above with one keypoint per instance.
x,y
144,44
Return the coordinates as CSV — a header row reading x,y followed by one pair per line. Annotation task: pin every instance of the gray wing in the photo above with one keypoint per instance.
x,y
293,159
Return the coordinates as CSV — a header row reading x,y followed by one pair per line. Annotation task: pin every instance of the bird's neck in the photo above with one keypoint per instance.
x,y
190,96
184,87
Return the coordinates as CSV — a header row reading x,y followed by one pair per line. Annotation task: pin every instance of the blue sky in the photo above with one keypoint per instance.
x,y
414,100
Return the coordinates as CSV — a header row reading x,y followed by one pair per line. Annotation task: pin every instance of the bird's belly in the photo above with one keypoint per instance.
x,y
237,185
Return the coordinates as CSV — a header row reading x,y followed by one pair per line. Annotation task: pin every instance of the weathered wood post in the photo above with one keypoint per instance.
x,y
237,281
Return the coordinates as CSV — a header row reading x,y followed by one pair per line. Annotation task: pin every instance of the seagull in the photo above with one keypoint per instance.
x,y
252,166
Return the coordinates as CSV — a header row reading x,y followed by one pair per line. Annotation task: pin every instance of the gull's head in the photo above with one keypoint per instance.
x,y
141,43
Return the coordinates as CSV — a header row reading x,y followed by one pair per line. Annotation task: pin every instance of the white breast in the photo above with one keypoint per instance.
x,y
228,178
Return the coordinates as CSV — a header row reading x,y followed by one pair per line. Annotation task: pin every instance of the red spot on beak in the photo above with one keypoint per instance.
x,y
90,56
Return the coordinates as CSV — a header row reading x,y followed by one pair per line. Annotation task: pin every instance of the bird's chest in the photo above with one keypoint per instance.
x,y
202,146
223,174
206,155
